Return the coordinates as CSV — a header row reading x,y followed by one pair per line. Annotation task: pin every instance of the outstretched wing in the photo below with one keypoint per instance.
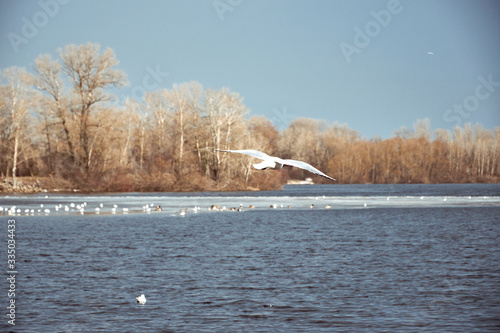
x,y
250,152
273,160
305,166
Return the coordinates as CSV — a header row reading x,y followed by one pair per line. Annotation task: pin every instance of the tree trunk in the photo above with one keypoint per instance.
x,y
181,139
14,161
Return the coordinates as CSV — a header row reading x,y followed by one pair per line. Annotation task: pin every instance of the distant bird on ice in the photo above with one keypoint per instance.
x,y
272,162
141,299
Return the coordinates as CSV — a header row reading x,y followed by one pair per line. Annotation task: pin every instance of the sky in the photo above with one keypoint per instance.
x,y
373,65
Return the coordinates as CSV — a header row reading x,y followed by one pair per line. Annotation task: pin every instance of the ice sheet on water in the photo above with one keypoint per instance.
x,y
175,203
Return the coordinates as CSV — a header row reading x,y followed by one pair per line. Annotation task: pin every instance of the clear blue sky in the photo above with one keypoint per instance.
x,y
374,65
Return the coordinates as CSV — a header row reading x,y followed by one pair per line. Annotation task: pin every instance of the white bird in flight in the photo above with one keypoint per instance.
x,y
272,162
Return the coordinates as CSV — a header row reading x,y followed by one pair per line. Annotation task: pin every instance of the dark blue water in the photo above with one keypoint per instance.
x,y
391,268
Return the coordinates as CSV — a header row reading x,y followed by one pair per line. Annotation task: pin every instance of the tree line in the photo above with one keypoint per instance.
x,y
58,121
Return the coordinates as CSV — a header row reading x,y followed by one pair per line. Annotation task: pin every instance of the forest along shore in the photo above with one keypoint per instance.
x,y
79,136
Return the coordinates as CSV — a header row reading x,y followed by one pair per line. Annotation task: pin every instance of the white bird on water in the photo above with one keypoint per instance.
x,y
141,299
272,162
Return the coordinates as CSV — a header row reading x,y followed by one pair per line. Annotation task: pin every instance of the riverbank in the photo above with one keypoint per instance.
x,y
30,185
27,185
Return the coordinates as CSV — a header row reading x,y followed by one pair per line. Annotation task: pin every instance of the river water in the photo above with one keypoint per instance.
x,y
384,258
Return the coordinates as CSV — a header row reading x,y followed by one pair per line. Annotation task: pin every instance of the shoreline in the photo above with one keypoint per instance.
x,y
34,185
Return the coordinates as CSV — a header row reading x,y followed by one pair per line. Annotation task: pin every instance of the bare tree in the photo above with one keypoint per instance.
x,y
16,108
262,135
90,74
495,153
56,111
144,115
157,104
133,121
184,99
422,129
302,140
225,113
4,128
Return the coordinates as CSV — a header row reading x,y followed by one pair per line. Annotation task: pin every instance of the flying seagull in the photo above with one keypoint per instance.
x,y
271,162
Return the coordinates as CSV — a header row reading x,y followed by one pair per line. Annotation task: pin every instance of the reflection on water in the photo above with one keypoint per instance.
x,y
410,264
